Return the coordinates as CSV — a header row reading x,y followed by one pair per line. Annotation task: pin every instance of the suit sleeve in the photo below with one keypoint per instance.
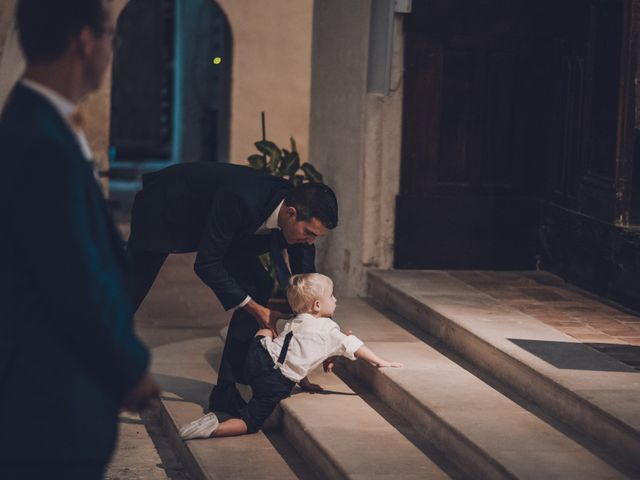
x,y
62,232
302,258
224,221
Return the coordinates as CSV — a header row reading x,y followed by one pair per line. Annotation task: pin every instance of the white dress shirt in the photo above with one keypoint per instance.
x,y
314,340
270,223
65,108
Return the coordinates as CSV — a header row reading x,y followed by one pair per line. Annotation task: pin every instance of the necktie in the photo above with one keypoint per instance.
x,y
277,258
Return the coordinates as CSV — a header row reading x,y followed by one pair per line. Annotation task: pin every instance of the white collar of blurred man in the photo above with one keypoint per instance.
x,y
79,70
66,109
62,104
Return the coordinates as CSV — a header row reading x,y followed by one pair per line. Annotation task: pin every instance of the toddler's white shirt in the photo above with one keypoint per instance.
x,y
314,340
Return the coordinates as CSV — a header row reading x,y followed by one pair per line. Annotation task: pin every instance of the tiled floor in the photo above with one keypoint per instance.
x,y
582,316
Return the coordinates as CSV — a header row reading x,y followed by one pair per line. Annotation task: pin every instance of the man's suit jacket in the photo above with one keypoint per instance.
x,y
210,208
67,348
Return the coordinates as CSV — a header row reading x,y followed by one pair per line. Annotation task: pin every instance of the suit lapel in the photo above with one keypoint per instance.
x,y
275,197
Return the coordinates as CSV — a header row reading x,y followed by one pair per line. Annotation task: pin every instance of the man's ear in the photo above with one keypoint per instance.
x,y
292,212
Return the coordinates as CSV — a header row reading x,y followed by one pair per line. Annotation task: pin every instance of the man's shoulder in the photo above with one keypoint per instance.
x,y
28,120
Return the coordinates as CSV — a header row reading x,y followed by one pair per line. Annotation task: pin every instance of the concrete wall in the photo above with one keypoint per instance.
x,y
354,141
271,72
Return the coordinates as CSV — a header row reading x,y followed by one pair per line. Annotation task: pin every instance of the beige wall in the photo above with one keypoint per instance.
x,y
355,138
271,72
6,21
11,59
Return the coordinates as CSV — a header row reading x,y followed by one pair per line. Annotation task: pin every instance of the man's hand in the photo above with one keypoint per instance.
x,y
266,317
307,386
140,397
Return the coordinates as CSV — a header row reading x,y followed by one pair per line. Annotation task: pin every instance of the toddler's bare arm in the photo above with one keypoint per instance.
x,y
367,354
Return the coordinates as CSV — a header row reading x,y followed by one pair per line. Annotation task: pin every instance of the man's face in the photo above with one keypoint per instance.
x,y
98,49
301,231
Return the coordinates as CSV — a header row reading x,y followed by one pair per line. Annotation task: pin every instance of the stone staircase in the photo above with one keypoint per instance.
x,y
486,391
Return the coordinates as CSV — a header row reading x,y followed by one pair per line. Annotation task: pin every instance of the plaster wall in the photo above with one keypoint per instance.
x,y
11,59
355,142
271,72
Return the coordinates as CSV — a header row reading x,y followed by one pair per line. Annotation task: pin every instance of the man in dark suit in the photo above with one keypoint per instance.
x,y
69,359
230,215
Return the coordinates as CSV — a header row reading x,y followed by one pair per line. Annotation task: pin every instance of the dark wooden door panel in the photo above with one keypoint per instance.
x,y
465,201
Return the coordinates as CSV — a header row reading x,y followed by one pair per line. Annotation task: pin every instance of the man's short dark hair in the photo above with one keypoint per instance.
x,y
314,200
45,27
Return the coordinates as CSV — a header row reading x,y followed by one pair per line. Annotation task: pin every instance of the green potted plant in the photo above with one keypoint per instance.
x,y
282,163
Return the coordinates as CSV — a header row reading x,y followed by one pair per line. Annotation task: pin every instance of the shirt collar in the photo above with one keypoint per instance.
x,y
301,317
63,105
272,221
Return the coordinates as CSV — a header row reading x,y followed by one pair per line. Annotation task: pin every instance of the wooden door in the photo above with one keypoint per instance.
x,y
471,170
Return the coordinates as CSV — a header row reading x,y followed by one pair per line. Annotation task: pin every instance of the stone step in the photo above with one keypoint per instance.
x,y
487,434
586,389
185,374
336,434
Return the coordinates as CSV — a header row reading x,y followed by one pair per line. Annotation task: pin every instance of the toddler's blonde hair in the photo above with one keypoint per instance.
x,y
306,288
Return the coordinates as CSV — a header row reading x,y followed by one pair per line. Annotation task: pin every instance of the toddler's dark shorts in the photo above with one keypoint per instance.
x,y
268,385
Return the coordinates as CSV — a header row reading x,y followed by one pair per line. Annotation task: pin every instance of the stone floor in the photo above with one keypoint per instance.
x,y
585,317
179,307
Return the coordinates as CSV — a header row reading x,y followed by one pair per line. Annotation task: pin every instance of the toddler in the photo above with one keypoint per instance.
x,y
274,365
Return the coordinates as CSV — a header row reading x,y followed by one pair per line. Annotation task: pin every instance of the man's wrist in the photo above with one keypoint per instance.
x,y
244,302
258,311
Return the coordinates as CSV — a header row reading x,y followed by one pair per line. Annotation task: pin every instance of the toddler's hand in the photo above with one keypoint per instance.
x,y
311,387
307,386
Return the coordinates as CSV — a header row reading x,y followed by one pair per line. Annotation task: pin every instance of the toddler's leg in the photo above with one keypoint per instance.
x,y
231,428
208,426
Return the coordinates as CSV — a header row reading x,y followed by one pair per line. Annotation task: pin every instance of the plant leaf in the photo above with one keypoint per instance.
x,y
311,173
257,161
294,148
267,148
290,163
275,161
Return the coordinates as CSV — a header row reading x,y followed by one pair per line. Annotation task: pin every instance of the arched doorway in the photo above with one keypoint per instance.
x,y
170,102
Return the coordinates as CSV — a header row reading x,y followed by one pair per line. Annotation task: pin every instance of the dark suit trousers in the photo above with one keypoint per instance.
x,y
146,266
243,264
